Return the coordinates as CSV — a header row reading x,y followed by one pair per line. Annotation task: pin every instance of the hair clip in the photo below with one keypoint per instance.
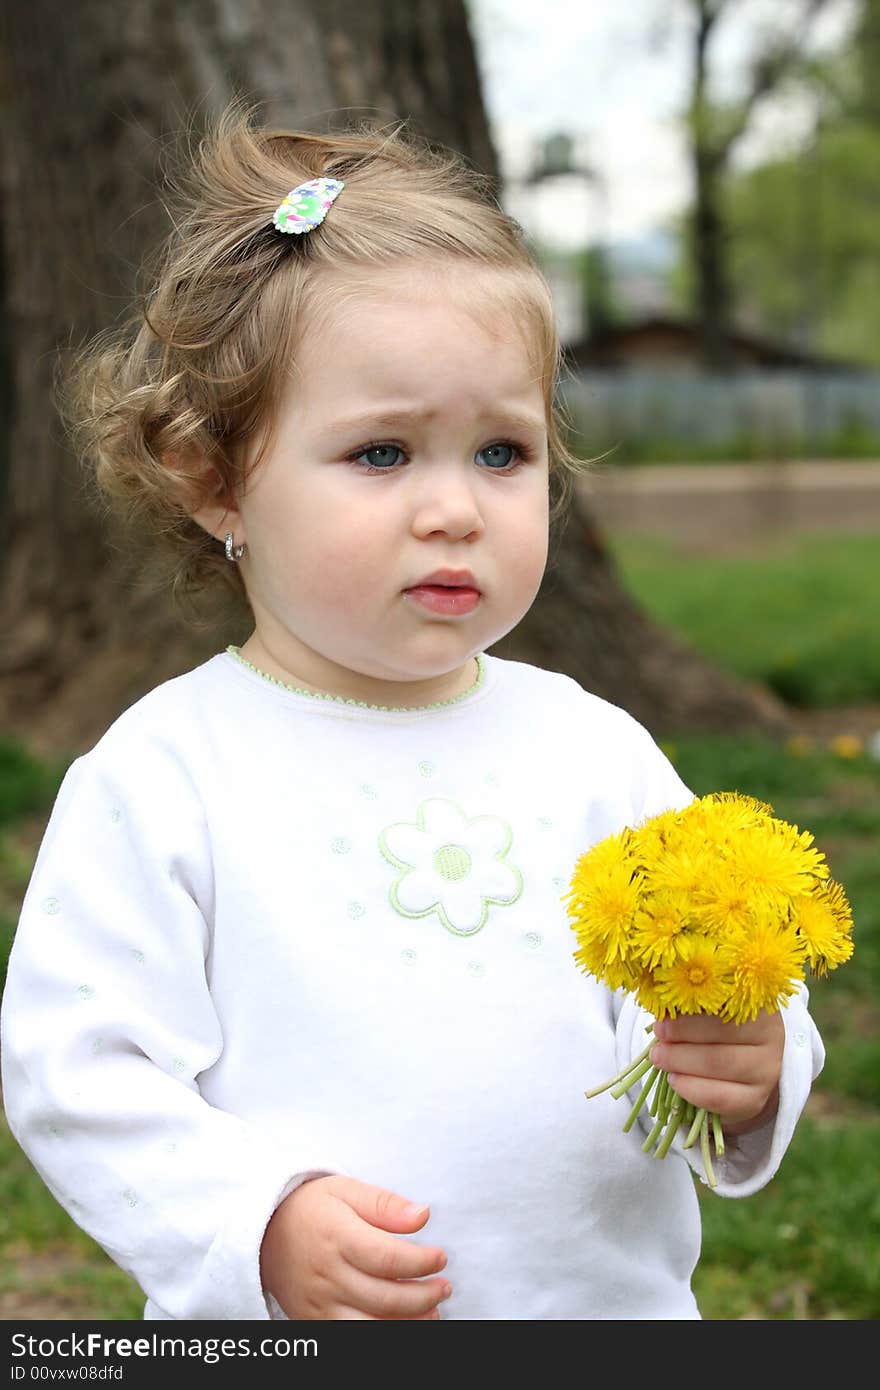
x,y
305,206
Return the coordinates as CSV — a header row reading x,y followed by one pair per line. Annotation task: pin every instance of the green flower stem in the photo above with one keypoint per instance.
x,y
676,1116
717,1133
694,1131
622,1075
655,1099
660,1095
650,1081
666,1103
630,1079
704,1149
653,1136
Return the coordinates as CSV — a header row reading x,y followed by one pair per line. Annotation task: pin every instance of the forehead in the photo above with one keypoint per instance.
x,y
412,320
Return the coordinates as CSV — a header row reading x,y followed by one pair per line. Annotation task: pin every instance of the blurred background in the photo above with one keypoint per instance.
x,y
700,181
702,191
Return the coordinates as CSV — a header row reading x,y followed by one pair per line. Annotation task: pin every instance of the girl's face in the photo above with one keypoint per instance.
x,y
413,440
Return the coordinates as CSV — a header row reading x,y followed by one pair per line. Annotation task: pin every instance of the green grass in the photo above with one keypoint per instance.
x,y
26,783
807,1246
858,441
44,1256
27,788
799,616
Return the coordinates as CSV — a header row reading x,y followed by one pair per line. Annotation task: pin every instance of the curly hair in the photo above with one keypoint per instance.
x,y
175,406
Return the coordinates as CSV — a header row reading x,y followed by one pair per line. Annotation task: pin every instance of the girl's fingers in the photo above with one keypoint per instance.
x,y
374,1252
433,1316
733,1102
378,1206
352,1315
704,1028
388,1299
722,1062
732,1069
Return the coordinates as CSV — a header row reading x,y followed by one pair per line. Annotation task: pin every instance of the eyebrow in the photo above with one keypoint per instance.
x,y
390,419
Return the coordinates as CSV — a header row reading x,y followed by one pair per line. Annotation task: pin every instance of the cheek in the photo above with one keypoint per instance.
x,y
337,566
527,536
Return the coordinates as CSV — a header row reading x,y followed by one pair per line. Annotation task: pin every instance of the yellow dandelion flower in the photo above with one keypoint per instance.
x,y
656,827
695,982
723,813
776,862
657,924
846,746
718,909
592,958
680,867
799,745
609,857
725,901
603,902
764,963
644,987
824,924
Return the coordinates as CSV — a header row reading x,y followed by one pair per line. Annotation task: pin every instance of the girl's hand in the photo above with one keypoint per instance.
x,y
328,1253
731,1068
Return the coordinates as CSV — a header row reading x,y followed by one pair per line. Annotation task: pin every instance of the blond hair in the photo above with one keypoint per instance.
x,y
197,376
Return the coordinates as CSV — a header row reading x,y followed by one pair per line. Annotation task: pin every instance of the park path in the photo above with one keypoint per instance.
x,y
730,504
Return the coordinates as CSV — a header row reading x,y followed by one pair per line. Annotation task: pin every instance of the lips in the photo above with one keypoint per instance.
x,y
447,579
451,593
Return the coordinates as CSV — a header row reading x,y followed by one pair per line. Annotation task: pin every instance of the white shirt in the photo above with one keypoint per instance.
x,y
271,935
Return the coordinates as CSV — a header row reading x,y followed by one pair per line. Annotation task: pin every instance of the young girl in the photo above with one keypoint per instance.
x,y
292,1024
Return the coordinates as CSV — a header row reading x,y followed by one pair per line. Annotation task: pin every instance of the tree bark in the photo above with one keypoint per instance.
x,y
708,229
713,132
588,627
92,92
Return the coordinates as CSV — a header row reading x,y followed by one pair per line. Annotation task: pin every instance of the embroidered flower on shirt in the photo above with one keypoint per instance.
x,y
451,865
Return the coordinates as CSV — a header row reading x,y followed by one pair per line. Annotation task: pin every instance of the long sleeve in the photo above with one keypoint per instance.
x,y
107,1022
751,1159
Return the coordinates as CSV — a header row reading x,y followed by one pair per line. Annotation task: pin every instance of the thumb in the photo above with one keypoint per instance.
x,y
387,1210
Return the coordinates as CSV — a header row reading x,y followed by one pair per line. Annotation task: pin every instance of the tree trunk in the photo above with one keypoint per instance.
x,y
588,627
710,260
867,50
92,91
709,248
714,131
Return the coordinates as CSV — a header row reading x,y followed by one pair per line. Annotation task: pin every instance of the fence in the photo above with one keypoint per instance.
x,y
746,414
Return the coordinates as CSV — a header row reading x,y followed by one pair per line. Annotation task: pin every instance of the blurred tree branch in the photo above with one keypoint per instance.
x,y
714,128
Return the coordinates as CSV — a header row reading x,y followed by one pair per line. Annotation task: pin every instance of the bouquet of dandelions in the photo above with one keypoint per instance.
x,y
717,909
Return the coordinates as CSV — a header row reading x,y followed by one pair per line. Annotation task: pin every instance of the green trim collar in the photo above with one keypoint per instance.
x,y
361,704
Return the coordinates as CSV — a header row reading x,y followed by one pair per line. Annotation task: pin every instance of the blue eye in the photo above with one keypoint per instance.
x,y
381,456
498,455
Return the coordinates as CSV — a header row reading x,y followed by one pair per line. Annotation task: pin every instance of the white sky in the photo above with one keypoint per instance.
x,y
614,74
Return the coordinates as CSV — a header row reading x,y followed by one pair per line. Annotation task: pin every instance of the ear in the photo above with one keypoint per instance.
x,y
217,515
217,518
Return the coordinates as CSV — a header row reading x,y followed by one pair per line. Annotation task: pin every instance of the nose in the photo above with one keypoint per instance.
x,y
446,502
